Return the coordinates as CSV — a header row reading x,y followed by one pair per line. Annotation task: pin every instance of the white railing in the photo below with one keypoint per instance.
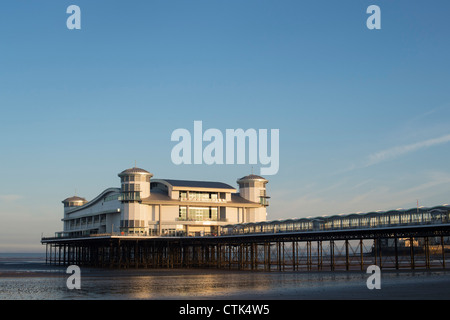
x,y
204,200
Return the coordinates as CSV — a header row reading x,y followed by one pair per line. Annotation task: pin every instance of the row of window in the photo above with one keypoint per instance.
x,y
132,223
74,204
112,197
345,222
131,187
97,219
130,196
199,196
198,214
138,177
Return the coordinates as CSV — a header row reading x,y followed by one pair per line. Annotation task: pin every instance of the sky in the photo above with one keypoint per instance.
x,y
363,115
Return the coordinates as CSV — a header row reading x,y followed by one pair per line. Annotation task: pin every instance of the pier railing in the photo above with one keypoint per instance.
x,y
64,236
373,220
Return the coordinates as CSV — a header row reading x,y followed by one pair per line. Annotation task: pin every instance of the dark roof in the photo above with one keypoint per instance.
x,y
237,198
158,196
198,184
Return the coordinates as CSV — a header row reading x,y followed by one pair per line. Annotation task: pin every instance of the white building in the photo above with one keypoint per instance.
x,y
146,206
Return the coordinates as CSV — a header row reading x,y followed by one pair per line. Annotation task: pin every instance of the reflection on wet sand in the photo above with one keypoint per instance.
x,y
35,280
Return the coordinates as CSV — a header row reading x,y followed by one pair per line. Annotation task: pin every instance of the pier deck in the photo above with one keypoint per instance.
x,y
396,247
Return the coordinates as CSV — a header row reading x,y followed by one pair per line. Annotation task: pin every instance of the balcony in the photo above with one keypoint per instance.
x,y
206,200
263,201
200,219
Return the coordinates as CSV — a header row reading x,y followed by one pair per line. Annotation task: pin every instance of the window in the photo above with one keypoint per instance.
x,y
198,196
198,213
112,197
182,214
130,196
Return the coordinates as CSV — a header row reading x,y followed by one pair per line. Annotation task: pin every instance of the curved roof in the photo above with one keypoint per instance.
x,y
252,177
194,184
134,170
74,199
436,211
95,200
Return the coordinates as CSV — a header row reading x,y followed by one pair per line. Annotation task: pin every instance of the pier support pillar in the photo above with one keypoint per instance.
x,y
347,258
332,255
361,253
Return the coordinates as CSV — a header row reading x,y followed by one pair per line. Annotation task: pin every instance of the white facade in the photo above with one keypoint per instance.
x,y
147,207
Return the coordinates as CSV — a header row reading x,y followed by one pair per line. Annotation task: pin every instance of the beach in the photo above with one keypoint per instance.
x,y
27,277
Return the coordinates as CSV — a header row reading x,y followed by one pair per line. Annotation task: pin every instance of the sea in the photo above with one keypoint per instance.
x,y
26,276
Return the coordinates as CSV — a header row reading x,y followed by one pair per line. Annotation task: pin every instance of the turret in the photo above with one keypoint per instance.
x,y
253,188
135,184
72,202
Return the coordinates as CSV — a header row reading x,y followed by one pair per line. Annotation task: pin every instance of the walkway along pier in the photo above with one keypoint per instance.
x,y
404,246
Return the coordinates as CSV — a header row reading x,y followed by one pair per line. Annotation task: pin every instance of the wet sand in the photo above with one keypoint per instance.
x,y
30,278
419,287
38,281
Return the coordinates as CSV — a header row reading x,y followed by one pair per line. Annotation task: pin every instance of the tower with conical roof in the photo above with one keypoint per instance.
x,y
72,202
253,188
135,186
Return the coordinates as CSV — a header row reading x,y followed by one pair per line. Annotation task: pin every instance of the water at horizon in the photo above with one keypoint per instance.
x,y
26,276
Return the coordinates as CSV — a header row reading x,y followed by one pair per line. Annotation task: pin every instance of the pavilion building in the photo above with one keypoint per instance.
x,y
152,207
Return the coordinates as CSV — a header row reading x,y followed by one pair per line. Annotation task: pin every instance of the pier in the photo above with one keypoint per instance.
x,y
391,240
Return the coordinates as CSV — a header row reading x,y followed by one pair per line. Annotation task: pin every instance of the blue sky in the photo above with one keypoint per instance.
x,y
363,114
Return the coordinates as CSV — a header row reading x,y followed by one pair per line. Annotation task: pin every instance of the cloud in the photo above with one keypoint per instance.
x,y
367,196
10,197
395,152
